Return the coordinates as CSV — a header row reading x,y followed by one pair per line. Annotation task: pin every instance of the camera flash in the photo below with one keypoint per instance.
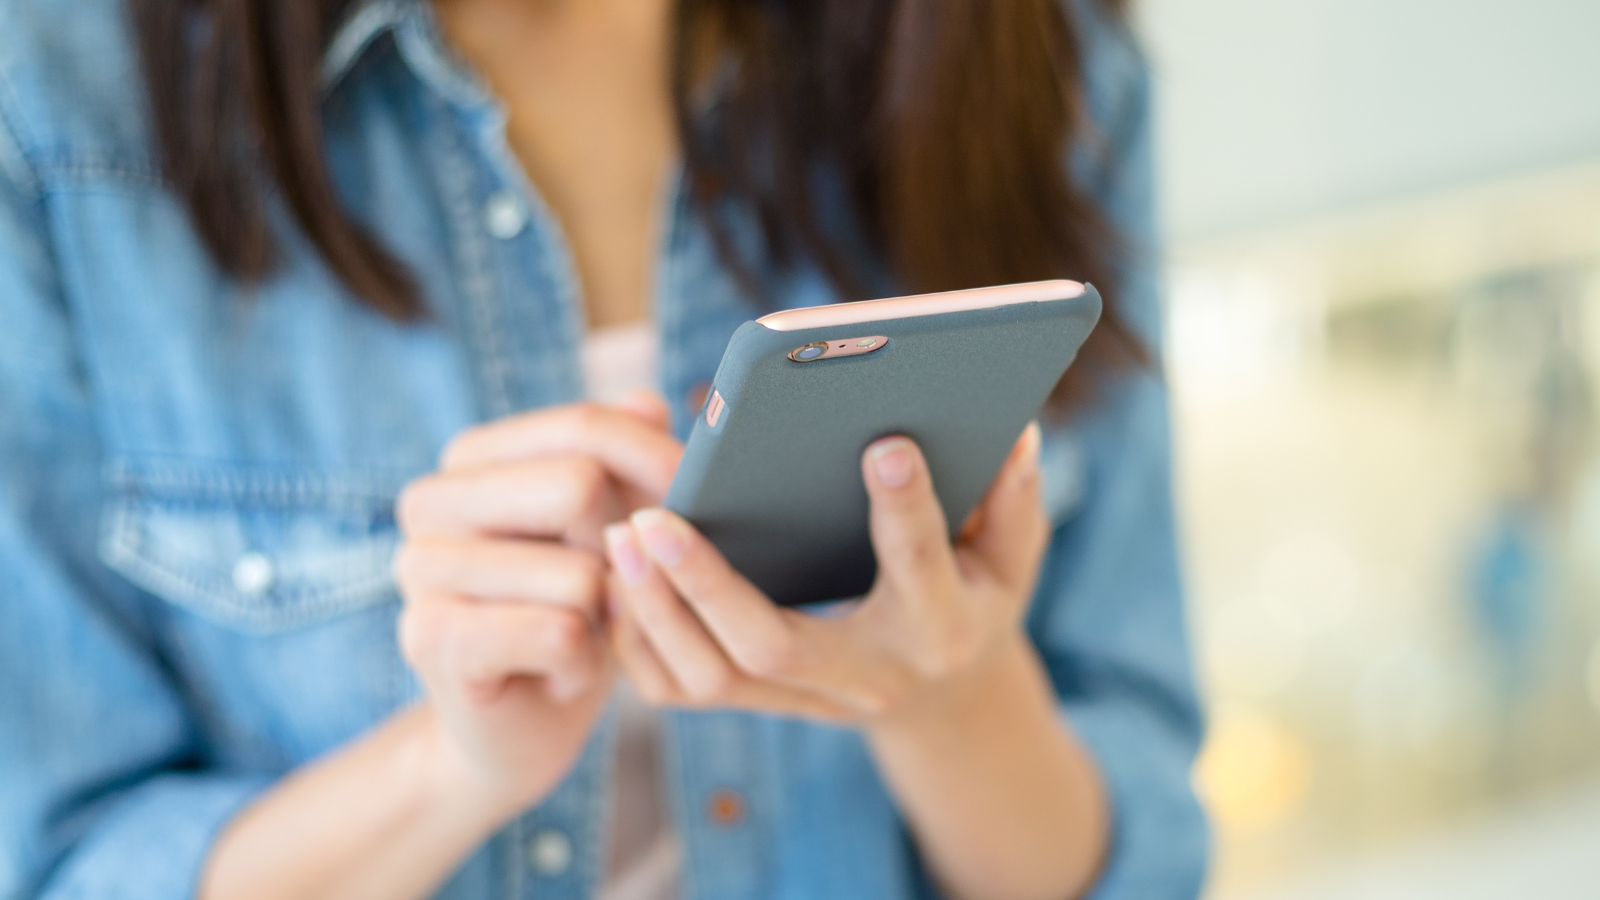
x,y
866,342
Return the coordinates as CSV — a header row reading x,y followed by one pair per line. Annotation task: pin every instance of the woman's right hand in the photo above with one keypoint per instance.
x,y
504,584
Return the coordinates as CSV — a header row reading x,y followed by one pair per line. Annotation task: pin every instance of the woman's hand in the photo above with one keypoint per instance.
x,y
933,664
691,631
503,580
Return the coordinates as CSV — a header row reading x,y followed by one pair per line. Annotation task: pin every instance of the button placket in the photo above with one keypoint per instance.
x,y
725,807
505,215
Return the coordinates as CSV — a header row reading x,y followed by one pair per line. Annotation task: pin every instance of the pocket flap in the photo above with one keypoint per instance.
x,y
255,551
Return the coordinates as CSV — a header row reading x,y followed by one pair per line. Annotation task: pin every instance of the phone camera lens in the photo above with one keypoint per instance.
x,y
808,352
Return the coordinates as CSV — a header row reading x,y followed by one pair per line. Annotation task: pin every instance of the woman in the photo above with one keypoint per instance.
x,y
261,261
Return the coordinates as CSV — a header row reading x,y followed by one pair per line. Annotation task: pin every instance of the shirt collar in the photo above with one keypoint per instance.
x,y
416,32
366,20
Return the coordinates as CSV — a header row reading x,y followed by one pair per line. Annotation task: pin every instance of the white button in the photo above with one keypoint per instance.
x,y
252,574
505,216
549,852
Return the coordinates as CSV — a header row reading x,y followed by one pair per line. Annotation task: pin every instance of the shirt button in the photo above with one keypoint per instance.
x,y
505,216
726,807
549,852
252,574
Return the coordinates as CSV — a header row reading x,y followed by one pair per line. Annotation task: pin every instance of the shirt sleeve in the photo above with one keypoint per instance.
x,y
1109,625
1108,617
104,788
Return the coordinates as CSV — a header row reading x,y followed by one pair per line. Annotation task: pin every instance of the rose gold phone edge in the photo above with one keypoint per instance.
x,y
863,311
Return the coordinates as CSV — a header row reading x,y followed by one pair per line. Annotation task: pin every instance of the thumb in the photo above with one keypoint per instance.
x,y
906,522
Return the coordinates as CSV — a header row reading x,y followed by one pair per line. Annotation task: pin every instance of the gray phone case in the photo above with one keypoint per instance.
x,y
776,484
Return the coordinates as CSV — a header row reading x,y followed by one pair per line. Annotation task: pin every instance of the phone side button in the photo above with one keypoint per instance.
x,y
714,409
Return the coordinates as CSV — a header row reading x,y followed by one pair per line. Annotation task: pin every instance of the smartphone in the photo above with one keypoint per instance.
x,y
772,470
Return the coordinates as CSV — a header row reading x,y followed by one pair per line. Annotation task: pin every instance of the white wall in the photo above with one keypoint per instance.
x,y
1275,110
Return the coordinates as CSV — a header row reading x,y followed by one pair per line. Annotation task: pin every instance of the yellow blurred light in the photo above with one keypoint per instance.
x,y
1252,772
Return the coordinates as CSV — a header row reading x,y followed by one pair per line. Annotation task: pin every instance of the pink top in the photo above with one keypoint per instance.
x,y
644,857
619,360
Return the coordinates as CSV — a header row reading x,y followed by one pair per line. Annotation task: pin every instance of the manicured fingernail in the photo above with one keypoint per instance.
x,y
661,535
894,461
625,554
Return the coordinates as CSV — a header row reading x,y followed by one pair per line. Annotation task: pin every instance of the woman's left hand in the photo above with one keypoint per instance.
x,y
690,631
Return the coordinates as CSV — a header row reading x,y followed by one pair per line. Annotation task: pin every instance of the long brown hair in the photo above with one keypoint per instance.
x,y
945,125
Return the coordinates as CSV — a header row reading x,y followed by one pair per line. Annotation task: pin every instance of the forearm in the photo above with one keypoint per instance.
x,y
1003,801
389,816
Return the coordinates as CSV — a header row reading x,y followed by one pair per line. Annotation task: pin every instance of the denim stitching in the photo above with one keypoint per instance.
x,y
13,160
182,482
123,550
353,38
77,173
146,486
676,729
471,257
601,799
556,266
596,811
423,49
12,135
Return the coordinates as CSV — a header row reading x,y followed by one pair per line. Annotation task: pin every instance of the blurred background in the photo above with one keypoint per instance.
x,y
1383,219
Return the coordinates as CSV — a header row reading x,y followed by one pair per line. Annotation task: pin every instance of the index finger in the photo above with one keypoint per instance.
x,y
814,654
635,453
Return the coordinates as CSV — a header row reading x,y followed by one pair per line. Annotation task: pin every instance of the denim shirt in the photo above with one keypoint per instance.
x,y
197,485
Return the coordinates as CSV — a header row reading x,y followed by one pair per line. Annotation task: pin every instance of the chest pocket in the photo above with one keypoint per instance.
x,y
261,552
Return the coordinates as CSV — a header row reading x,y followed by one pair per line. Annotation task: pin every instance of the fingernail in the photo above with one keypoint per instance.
x,y
894,462
625,555
661,535
1032,441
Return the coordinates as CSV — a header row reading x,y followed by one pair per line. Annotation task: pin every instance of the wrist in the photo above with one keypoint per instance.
x,y
454,788
993,685
1000,796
